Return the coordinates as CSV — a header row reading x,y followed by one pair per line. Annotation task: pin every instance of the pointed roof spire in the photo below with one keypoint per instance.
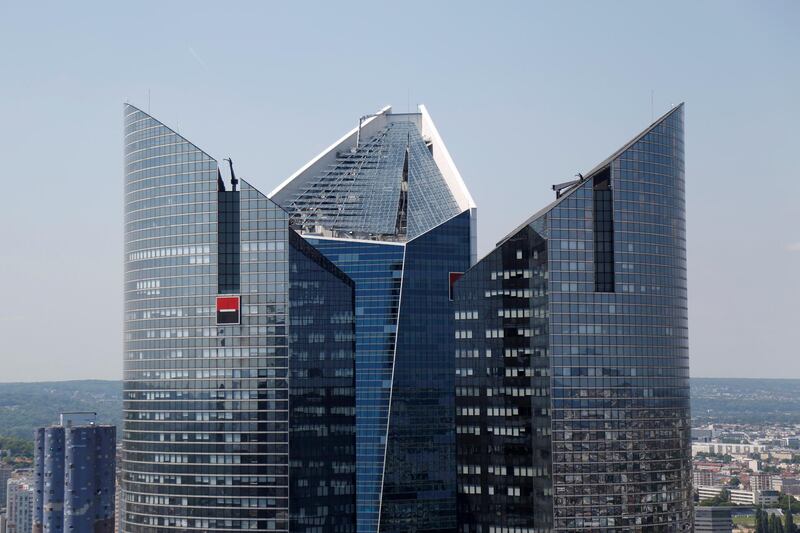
x,y
392,167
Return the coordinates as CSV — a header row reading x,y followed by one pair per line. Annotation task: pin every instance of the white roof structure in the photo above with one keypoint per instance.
x,y
389,178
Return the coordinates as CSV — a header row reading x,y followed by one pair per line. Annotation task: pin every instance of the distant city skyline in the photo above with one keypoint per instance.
x,y
527,95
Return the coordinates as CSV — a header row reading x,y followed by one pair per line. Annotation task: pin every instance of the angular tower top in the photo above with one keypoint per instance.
x,y
565,193
390,178
137,120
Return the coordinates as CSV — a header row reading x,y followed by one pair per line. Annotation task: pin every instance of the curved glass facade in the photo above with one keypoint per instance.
x,y
230,424
617,344
621,423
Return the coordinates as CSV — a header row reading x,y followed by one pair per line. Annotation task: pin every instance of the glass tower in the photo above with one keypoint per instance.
x,y
571,355
387,205
239,379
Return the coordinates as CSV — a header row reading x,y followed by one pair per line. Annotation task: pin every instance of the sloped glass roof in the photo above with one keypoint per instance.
x,y
389,187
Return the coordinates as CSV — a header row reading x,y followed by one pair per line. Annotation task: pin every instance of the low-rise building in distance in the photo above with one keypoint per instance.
x,y
19,504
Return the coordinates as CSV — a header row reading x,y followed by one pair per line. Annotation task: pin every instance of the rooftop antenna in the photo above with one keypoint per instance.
x,y
559,187
148,101
652,108
234,181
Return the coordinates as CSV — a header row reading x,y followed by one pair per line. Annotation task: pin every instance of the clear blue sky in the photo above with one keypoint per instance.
x,y
525,94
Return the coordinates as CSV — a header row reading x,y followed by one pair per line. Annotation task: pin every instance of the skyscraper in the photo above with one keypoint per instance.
x,y
572,356
387,205
74,473
239,388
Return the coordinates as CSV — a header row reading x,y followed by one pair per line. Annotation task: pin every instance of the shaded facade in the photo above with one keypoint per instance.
x,y
572,357
239,389
74,476
713,520
386,204
5,475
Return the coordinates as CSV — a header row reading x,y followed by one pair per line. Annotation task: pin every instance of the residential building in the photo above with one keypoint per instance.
x,y
74,473
719,448
713,520
781,455
740,496
19,505
766,498
239,387
760,481
789,485
388,206
571,351
705,434
706,478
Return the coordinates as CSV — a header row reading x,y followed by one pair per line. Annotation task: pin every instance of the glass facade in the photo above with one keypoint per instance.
x,y
387,186
419,488
502,383
319,369
618,352
377,270
322,403
406,441
384,213
219,417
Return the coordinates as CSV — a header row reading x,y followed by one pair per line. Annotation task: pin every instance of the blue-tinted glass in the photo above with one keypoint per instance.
x,y
322,401
616,334
419,482
376,268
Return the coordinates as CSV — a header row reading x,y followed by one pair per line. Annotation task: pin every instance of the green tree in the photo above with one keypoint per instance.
x,y
787,500
760,527
16,446
775,524
790,527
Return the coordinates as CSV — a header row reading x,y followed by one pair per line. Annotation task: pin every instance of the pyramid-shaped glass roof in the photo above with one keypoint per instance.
x,y
381,182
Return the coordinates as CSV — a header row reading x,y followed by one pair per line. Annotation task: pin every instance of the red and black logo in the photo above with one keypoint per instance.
x,y
454,276
227,309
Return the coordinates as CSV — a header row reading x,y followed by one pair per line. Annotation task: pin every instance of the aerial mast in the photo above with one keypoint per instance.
x,y
234,181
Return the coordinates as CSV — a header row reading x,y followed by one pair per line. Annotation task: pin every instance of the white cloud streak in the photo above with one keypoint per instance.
x,y
197,58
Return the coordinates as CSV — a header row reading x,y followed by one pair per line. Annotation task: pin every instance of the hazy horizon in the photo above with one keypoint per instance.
x,y
524,95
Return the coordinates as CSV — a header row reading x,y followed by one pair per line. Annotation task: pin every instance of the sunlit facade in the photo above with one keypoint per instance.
x,y
239,379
